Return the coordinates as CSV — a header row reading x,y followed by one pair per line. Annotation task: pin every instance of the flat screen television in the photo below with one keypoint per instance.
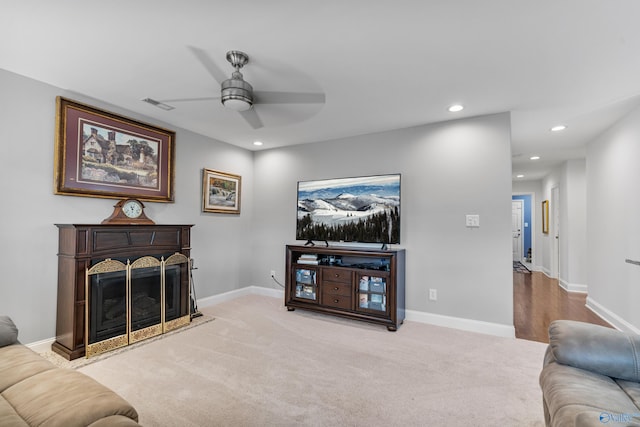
x,y
362,209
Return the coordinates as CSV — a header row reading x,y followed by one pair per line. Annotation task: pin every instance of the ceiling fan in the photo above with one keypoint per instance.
x,y
237,94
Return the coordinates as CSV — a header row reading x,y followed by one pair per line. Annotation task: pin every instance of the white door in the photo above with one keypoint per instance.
x,y
516,228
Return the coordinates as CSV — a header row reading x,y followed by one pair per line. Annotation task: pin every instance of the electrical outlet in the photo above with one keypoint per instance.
x,y
433,294
273,273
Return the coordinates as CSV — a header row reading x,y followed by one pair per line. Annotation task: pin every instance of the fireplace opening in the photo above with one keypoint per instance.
x,y
108,306
146,298
134,301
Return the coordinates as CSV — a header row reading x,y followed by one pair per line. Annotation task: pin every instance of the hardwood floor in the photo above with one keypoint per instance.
x,y
538,300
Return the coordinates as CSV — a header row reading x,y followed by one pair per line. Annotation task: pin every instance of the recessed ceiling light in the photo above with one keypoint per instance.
x,y
558,128
534,157
258,143
519,176
455,108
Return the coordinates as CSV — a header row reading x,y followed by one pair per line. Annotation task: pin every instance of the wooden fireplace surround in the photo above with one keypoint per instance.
x,y
82,245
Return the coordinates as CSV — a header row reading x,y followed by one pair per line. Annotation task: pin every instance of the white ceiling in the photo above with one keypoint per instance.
x,y
381,64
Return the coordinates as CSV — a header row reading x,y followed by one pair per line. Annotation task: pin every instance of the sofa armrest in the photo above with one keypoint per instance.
x,y
8,331
596,348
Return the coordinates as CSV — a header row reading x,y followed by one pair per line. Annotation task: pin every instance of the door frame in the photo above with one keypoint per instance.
x,y
554,230
532,224
521,225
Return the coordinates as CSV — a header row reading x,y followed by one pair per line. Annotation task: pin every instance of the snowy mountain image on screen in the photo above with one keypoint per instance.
x,y
350,209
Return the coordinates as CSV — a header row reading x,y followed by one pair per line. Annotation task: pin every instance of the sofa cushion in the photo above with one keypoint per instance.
x,y
596,348
9,417
575,397
114,421
632,389
18,362
65,398
8,331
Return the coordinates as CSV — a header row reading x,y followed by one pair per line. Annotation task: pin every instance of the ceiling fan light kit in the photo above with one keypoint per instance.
x,y
237,94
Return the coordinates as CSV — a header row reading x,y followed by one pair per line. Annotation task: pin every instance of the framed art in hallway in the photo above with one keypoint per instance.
x,y
220,192
102,154
545,217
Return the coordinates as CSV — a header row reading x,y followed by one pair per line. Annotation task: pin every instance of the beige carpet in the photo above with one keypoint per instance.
x,y
259,365
60,361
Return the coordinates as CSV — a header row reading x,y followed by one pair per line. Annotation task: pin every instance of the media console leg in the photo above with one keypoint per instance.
x,y
290,308
392,328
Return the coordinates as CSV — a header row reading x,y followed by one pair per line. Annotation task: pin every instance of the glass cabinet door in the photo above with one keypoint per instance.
x,y
372,293
306,284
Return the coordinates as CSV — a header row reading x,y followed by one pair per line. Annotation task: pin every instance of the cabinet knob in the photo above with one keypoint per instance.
x,y
337,274
336,300
336,288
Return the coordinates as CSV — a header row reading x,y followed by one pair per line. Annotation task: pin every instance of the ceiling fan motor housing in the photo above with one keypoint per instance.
x,y
236,93
236,89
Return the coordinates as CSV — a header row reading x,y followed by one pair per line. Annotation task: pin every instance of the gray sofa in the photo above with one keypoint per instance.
x,y
590,376
34,392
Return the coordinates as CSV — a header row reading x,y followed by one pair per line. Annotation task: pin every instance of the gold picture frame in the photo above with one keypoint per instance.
x,y
545,216
220,192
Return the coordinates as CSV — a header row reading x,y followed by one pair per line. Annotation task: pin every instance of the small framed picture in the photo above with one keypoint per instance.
x,y
545,217
220,192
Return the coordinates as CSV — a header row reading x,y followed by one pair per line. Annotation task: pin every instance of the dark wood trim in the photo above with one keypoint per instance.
x,y
82,245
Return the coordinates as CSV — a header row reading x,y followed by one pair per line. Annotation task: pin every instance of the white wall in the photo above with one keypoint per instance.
x,y
570,179
448,170
613,226
548,183
573,240
28,261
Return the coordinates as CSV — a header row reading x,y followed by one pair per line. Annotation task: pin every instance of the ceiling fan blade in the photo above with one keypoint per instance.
x,y
252,118
207,98
262,97
204,58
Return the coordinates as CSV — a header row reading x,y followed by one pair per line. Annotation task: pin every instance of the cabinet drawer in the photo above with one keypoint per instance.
x,y
337,301
335,288
336,275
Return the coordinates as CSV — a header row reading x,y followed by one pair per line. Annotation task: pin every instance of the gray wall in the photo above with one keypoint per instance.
x,y
613,209
29,238
448,170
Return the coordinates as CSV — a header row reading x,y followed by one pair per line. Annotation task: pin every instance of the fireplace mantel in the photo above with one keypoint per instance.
x,y
81,246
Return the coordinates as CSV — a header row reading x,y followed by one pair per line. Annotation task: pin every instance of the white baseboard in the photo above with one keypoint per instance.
x,y
249,290
497,329
507,331
572,287
612,318
41,346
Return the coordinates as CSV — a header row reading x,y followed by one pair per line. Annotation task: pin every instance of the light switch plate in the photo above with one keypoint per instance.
x,y
473,220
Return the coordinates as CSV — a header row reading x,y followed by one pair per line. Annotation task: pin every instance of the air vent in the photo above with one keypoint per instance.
x,y
158,104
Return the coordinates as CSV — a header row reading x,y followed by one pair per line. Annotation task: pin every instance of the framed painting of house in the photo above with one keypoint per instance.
x,y
102,154
220,192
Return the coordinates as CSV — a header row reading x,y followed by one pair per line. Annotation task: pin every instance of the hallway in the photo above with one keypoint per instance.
x,y
539,300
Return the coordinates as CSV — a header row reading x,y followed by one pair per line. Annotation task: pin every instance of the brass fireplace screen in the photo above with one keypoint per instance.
x,y
126,303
